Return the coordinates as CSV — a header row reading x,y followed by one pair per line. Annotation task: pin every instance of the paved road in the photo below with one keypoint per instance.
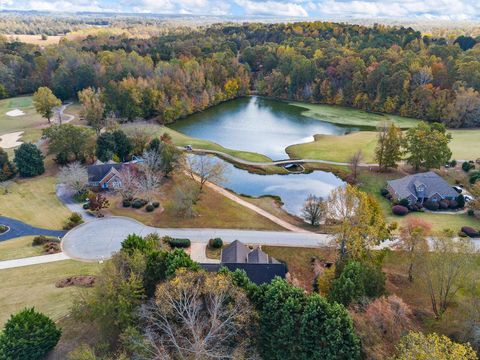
x,y
34,260
272,163
98,239
18,228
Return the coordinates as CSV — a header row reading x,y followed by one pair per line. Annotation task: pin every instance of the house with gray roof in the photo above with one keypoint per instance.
x,y
258,265
419,188
105,176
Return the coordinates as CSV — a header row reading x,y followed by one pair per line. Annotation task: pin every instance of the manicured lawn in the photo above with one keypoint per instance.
x,y
35,286
180,139
352,117
214,211
10,124
464,146
34,201
372,182
336,148
18,248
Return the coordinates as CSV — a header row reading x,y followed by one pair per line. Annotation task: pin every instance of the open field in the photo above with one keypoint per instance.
x,y
213,211
19,248
180,139
352,117
34,201
35,39
35,286
30,120
464,146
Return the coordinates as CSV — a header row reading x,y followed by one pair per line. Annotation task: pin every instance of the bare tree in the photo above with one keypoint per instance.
x,y
422,76
313,209
148,184
128,176
74,176
205,168
151,161
445,269
197,315
184,199
355,161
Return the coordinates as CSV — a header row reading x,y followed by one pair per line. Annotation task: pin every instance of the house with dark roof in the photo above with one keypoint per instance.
x,y
104,176
259,266
419,188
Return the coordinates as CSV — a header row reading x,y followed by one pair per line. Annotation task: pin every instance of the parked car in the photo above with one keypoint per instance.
x,y
458,189
467,198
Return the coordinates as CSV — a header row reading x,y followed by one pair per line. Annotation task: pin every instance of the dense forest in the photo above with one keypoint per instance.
x,y
379,68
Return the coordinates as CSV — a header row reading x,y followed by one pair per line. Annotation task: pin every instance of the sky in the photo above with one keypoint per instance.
x,y
308,9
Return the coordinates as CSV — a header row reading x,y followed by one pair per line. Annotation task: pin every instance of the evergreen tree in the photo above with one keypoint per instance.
x,y
29,160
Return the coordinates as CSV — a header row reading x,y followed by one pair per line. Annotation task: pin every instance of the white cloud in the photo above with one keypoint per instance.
x,y
279,8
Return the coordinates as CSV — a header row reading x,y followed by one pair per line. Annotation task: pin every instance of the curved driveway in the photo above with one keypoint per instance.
x,y
18,229
99,239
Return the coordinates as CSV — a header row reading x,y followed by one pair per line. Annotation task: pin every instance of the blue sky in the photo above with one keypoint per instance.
x,y
429,9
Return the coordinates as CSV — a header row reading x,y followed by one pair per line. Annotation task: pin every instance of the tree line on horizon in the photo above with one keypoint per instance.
x,y
380,69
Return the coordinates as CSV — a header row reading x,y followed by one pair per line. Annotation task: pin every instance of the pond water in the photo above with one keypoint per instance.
x,y
292,188
256,124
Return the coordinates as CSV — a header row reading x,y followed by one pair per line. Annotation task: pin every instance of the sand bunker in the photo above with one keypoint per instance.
x,y
15,112
8,141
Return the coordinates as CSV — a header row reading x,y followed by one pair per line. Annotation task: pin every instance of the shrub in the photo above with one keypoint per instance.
x,y
444,204
28,335
179,243
384,192
404,202
156,204
138,203
399,210
40,240
81,196
149,208
215,243
453,204
74,220
52,247
462,234
3,229
474,177
357,281
432,205
135,242
469,231
471,212
86,206
467,166
126,203
460,201
453,163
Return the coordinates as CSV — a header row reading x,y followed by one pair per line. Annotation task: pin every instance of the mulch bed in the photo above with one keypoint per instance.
x,y
84,281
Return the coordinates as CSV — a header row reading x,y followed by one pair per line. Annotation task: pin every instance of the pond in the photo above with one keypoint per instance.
x,y
256,124
292,188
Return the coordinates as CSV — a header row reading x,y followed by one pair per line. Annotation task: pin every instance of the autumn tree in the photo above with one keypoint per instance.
x,y
93,108
198,315
44,102
445,268
69,143
413,240
389,146
97,202
358,221
355,162
74,176
313,209
205,169
427,146
416,345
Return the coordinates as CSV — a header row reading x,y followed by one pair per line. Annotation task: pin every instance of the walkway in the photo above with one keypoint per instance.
x,y
272,163
18,229
98,239
34,260
65,195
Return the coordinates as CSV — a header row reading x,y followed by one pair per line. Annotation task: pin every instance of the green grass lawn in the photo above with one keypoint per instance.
x,y
10,124
35,286
34,201
373,182
19,248
180,139
352,117
464,146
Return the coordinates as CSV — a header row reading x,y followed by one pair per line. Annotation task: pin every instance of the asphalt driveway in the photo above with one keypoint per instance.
x,y
99,239
18,229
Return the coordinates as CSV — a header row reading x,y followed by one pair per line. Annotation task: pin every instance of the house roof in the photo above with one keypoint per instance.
x,y
236,252
257,273
97,172
411,185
